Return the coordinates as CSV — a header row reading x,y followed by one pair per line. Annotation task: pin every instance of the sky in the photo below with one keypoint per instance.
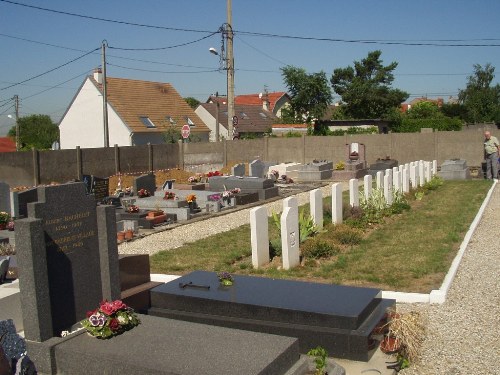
x,y
317,35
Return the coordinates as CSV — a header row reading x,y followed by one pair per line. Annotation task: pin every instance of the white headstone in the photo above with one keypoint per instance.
x,y
316,204
353,192
406,180
290,202
388,172
413,177
290,237
421,173
434,167
354,147
337,203
388,189
367,184
380,180
259,236
397,181
428,171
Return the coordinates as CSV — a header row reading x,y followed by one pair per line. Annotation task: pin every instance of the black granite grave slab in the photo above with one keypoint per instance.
x,y
246,198
100,188
23,198
146,181
168,347
340,318
383,164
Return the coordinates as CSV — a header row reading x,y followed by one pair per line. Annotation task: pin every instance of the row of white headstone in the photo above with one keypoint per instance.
x,y
403,178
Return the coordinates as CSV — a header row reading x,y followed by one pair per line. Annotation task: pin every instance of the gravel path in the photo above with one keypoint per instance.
x,y
176,237
463,334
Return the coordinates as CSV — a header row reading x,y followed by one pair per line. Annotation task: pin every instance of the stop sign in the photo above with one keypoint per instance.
x,y
185,131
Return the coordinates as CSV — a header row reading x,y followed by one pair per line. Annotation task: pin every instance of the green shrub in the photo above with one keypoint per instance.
x,y
275,248
347,235
409,125
434,183
291,134
316,248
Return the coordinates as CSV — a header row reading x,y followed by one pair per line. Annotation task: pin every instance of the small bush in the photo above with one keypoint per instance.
x,y
434,183
275,248
316,248
347,235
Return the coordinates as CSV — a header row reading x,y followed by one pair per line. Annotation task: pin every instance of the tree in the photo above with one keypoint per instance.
x,y
365,88
310,94
193,103
36,131
480,99
424,110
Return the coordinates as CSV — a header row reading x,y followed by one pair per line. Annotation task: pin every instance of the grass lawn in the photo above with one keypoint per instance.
x,y
409,251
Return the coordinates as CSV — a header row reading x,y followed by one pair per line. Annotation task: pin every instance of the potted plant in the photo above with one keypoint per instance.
x,y
191,199
133,209
120,236
143,193
169,195
225,278
156,212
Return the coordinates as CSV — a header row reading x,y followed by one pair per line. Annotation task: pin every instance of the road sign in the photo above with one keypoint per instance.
x,y
186,130
235,120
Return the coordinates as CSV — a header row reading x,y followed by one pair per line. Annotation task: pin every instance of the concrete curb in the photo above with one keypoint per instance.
x,y
439,295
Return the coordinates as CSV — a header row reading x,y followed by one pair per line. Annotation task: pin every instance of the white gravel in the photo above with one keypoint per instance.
x,y
463,335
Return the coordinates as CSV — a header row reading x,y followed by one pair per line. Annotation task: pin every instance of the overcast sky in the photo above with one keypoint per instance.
x,y
315,35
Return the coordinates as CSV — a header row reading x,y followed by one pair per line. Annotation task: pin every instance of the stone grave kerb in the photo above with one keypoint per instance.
x,y
67,253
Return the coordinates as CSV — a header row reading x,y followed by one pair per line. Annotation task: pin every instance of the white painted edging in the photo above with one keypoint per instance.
x,y
439,295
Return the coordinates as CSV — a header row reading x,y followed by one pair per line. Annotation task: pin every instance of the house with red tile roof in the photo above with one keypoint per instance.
x,y
139,112
252,120
270,101
7,144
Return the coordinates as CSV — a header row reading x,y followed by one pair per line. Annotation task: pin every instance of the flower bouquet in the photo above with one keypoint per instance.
x,y
212,174
110,319
225,278
143,193
169,195
132,209
4,219
191,198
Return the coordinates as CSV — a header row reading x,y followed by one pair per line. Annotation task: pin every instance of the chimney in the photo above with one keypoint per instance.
x,y
266,104
98,75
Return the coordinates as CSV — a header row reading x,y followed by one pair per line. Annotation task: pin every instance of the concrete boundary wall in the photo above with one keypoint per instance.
x,y
31,168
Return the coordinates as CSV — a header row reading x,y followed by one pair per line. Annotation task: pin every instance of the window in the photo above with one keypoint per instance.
x,y
189,121
147,122
244,116
170,120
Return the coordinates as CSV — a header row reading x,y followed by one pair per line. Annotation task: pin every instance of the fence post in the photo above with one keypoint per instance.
x,y
36,167
180,144
117,159
150,158
79,164
266,148
303,148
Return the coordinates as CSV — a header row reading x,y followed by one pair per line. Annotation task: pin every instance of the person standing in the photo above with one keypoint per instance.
x,y
491,149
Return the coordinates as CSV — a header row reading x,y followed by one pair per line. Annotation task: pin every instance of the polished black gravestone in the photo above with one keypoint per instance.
x,y
339,318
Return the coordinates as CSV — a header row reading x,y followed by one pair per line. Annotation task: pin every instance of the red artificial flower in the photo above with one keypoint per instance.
x,y
114,325
118,305
107,307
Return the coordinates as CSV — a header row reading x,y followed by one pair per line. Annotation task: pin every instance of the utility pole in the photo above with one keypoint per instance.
x,y
104,96
16,106
230,69
217,131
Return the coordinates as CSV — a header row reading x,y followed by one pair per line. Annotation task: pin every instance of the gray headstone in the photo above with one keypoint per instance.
x,y
67,251
238,170
23,198
257,169
145,181
259,236
5,197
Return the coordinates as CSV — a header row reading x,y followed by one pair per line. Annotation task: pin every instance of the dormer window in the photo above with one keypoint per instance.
x,y
189,121
147,122
244,116
170,120
263,115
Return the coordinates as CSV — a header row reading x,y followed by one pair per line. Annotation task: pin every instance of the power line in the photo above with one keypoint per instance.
x,y
53,87
164,48
424,42
160,71
262,52
49,71
104,19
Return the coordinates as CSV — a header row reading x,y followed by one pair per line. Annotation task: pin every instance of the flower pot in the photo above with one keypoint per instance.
x,y
390,345
226,282
129,234
120,236
155,213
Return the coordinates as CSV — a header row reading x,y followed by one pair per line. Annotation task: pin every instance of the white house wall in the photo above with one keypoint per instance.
x,y
82,124
209,121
